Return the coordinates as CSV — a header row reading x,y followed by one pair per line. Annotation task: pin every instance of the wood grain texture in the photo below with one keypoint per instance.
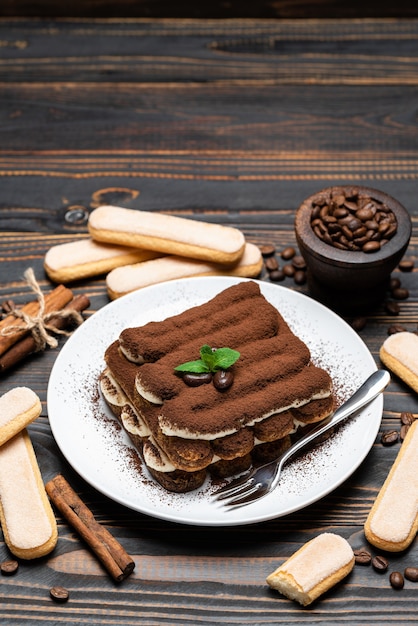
x,y
229,121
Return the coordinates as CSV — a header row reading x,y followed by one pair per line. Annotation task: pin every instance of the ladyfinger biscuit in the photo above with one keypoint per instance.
x,y
18,408
313,569
393,520
167,234
399,353
85,258
26,516
129,278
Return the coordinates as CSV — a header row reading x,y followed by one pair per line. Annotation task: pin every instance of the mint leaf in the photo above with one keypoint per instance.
x,y
210,361
195,367
224,358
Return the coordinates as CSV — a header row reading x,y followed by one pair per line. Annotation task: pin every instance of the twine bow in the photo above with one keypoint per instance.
x,y
38,325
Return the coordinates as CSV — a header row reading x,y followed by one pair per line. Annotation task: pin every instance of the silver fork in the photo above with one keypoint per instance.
x,y
259,481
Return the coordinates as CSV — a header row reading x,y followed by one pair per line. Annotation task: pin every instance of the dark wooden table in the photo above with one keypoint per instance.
x,y
233,122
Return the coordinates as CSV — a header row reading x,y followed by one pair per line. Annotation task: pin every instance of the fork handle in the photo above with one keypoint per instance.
x,y
367,392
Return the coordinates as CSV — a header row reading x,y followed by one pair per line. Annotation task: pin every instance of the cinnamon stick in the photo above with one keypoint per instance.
x,y
108,550
27,345
54,301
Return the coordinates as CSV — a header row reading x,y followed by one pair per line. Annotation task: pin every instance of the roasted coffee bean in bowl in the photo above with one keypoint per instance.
x,y
351,238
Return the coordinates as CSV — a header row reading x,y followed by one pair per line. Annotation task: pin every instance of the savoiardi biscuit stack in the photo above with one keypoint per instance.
x,y
184,432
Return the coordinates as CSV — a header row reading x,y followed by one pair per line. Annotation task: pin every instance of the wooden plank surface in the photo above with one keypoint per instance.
x,y
233,122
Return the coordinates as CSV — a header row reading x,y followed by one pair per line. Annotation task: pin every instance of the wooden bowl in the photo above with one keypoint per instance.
x,y
350,281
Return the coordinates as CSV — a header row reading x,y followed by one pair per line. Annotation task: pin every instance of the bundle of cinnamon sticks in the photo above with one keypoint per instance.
x,y
17,341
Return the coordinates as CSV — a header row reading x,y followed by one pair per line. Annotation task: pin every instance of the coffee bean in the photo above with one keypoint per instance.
x,y
59,594
400,293
407,418
396,328
392,307
411,573
289,270
9,567
355,223
362,557
395,283
380,564
271,264
300,277
396,580
267,250
371,246
288,253
299,262
277,275
389,437
359,323
406,265
404,431
195,380
223,379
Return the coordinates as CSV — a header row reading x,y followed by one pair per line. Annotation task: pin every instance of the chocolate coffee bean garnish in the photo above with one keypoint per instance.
x,y
213,362
380,564
362,557
9,567
411,573
351,221
59,594
223,379
195,380
396,580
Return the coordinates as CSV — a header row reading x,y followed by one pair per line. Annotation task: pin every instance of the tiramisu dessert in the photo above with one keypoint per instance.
x,y
252,387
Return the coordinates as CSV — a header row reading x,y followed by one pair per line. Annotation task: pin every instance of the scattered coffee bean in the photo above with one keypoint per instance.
x,y
389,437
299,262
407,418
348,220
299,277
288,270
400,293
392,307
288,253
362,557
271,264
267,250
396,580
379,563
411,573
9,567
195,380
396,328
223,379
277,275
358,323
404,431
59,594
8,306
406,265
394,283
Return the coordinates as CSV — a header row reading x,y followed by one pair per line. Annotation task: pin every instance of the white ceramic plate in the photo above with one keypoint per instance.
x,y
90,439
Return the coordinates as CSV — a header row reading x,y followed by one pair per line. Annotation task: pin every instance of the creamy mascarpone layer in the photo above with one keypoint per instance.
x,y
171,431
